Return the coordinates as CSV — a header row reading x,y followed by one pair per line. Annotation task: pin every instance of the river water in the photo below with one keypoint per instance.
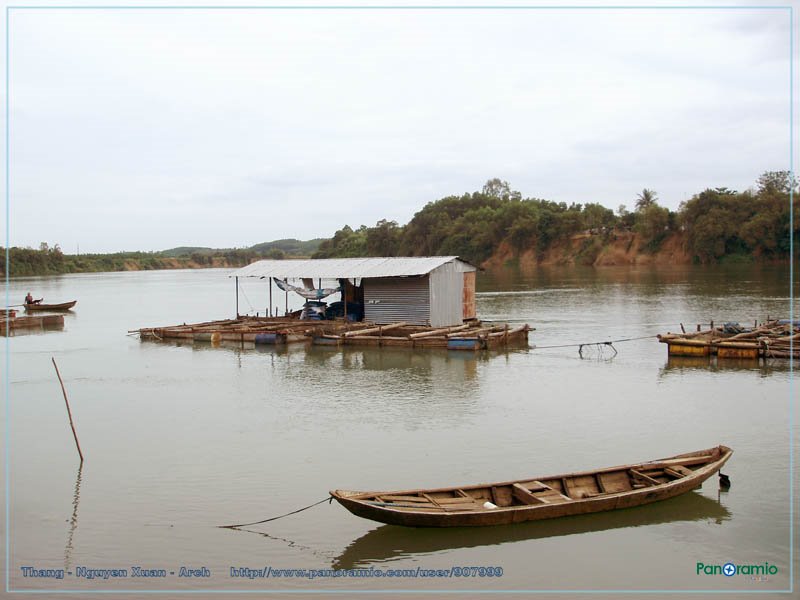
x,y
180,438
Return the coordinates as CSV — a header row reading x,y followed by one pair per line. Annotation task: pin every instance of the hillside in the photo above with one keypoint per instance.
x,y
618,249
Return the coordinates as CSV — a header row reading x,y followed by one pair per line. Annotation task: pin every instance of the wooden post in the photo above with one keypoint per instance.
x,y
344,297
270,297
69,412
236,279
286,293
682,328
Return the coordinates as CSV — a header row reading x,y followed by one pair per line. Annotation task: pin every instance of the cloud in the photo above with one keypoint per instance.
x,y
235,127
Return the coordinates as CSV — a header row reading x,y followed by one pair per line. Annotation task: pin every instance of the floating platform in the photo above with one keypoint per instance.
x,y
773,339
10,325
470,336
284,330
259,330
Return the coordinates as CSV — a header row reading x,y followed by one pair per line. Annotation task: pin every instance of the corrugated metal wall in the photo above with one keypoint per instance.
x,y
447,285
395,299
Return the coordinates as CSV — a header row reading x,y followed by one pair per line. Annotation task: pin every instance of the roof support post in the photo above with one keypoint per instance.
x,y
344,297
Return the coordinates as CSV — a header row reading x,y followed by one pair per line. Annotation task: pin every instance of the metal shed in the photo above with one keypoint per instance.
x,y
433,290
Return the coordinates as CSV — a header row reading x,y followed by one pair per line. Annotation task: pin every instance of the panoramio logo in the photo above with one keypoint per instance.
x,y
730,569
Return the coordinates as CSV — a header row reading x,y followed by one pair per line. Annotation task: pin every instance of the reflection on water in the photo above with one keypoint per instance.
x,y
390,542
73,521
349,358
714,280
763,366
239,428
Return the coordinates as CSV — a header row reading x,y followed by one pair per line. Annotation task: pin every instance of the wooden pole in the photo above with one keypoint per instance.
x,y
237,296
69,412
270,297
343,283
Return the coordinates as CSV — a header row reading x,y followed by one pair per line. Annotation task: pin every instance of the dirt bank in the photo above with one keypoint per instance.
x,y
617,249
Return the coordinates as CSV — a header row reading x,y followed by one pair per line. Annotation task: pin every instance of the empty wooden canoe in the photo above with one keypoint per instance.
x,y
539,497
62,306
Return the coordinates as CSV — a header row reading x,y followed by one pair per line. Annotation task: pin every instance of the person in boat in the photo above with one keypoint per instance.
x,y
29,299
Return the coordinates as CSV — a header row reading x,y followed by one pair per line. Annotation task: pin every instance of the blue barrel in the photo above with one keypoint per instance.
x,y
464,344
267,338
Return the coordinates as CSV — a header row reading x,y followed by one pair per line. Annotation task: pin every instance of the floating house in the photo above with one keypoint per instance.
x,y
436,291
414,302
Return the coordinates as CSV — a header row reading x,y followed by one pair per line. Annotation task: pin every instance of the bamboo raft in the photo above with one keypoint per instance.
x,y
12,323
285,330
469,336
772,339
258,330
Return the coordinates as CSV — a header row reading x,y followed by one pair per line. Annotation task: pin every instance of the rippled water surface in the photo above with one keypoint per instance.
x,y
180,438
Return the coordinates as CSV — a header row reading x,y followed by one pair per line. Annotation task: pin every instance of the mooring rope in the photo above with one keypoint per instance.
x,y
608,343
326,499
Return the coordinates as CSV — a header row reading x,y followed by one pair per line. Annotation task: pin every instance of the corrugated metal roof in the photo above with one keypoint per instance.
x,y
345,268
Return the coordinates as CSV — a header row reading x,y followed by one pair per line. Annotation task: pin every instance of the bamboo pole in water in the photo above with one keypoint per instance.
x,y
69,412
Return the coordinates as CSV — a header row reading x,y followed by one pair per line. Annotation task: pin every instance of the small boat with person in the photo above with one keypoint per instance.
x,y
34,306
538,498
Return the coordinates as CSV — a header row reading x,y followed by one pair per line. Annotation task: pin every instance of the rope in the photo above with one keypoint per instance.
x,y
608,343
326,499
252,308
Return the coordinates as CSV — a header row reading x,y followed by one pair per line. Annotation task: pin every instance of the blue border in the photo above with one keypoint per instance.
x,y
401,7
7,429
791,300
790,8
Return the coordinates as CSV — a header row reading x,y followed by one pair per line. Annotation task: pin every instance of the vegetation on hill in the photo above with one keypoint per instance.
x,y
52,261
280,249
717,222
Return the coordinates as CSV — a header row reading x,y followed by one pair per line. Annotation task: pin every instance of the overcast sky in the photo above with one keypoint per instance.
x,y
150,129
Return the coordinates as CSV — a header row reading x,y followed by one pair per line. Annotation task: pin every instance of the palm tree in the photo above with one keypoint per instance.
x,y
646,199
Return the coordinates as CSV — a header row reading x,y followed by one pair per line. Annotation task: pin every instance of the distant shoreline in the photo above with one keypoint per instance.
x,y
617,249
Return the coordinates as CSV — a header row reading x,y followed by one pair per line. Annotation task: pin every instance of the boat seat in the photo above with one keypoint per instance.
x,y
642,478
534,486
541,492
682,470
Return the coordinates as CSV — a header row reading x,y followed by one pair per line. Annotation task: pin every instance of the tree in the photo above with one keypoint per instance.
x,y
776,181
500,189
646,199
596,216
652,224
383,239
626,218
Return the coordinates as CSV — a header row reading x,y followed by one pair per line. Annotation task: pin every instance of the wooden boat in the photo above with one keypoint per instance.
x,y
62,306
387,542
540,497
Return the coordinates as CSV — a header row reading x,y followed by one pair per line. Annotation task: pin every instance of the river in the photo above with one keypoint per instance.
x,y
180,438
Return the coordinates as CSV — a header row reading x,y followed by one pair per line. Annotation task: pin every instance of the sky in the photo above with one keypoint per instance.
x,y
226,127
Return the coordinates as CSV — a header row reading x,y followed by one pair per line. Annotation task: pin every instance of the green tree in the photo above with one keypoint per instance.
x,y
652,223
776,181
497,188
645,199
383,239
597,216
276,254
